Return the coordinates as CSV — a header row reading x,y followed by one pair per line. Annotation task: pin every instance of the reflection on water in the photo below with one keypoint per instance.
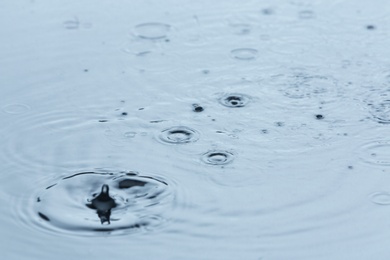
x,y
259,130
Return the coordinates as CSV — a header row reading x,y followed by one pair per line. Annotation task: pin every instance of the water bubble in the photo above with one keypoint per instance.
x,y
16,108
217,157
376,153
179,135
234,100
379,106
115,203
152,31
244,53
380,198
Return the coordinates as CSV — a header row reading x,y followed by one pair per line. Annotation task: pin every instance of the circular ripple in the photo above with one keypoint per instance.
x,y
380,198
234,100
152,31
217,157
89,202
16,108
244,54
379,106
376,153
179,135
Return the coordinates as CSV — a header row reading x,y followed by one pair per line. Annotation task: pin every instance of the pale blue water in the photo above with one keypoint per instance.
x,y
195,130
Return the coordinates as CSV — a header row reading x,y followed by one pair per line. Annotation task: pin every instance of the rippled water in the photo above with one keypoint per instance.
x,y
195,130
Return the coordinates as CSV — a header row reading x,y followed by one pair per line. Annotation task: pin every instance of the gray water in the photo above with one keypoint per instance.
x,y
214,129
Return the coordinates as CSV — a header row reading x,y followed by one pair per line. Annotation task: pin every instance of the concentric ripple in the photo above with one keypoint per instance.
x,y
234,100
376,153
115,203
217,157
16,108
379,106
152,31
179,135
244,54
380,198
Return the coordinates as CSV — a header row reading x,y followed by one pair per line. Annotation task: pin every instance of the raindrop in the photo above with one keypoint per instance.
x,y
103,204
217,157
89,202
179,135
197,108
380,198
16,108
244,54
234,100
152,31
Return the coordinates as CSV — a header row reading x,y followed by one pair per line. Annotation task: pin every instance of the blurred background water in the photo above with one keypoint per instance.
x,y
224,129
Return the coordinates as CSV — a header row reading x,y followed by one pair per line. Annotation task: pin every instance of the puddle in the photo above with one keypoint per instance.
x,y
258,130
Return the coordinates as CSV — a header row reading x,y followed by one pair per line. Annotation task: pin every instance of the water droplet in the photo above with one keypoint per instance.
x,y
197,108
376,153
152,31
179,135
380,198
114,203
244,54
103,204
217,157
16,108
234,100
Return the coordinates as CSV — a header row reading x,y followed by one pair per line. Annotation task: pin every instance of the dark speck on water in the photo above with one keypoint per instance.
x,y
319,117
197,108
43,216
370,27
124,114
